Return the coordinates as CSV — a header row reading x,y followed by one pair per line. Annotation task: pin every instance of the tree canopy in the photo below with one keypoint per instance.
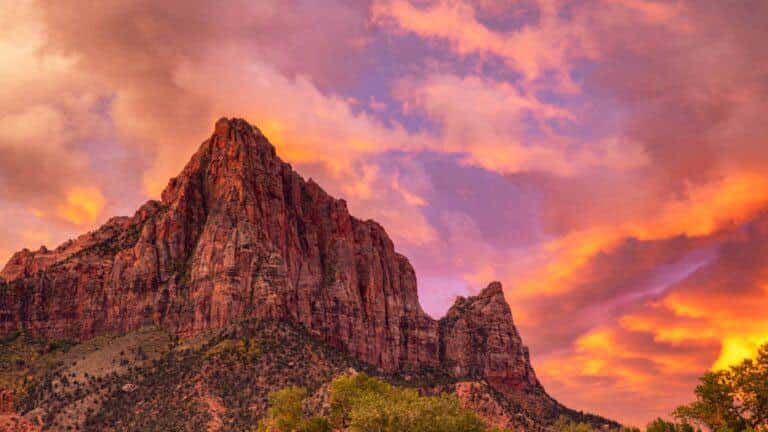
x,y
360,403
732,400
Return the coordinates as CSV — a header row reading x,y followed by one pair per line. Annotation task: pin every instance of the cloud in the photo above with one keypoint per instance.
x,y
83,205
546,46
48,107
626,374
683,86
684,278
146,51
501,128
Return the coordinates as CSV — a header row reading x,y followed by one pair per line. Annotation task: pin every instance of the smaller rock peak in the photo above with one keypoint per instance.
x,y
492,293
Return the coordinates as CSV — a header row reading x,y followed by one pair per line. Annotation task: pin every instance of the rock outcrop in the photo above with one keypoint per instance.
x,y
239,234
478,339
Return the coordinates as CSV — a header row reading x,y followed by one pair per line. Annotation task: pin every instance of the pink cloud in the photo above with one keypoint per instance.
x,y
548,45
505,129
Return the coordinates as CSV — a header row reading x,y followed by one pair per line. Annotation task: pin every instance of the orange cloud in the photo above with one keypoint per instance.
x,y
83,205
733,324
704,209
738,322
619,376
656,12
656,345
36,237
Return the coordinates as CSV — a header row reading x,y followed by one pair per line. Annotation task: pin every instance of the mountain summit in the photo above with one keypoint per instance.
x,y
238,235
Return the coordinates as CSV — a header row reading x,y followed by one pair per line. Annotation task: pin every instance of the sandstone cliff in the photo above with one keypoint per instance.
x,y
478,338
239,234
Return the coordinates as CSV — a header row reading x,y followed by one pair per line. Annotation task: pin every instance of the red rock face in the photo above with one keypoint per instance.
x,y
6,401
239,234
481,340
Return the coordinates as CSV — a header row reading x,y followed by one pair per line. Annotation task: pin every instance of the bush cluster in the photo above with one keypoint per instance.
x,y
360,403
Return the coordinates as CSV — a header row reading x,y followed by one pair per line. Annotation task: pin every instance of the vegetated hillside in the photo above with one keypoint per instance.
x,y
150,380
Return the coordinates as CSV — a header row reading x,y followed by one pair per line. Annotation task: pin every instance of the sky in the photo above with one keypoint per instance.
x,y
604,159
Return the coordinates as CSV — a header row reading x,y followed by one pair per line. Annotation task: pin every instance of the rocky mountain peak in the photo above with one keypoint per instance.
x,y
236,152
239,234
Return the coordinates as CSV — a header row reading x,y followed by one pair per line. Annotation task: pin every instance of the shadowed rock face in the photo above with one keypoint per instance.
x,y
239,234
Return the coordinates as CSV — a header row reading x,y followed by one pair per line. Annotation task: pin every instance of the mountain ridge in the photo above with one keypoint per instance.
x,y
239,234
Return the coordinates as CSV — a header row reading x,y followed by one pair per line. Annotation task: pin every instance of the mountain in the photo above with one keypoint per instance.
x,y
239,235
